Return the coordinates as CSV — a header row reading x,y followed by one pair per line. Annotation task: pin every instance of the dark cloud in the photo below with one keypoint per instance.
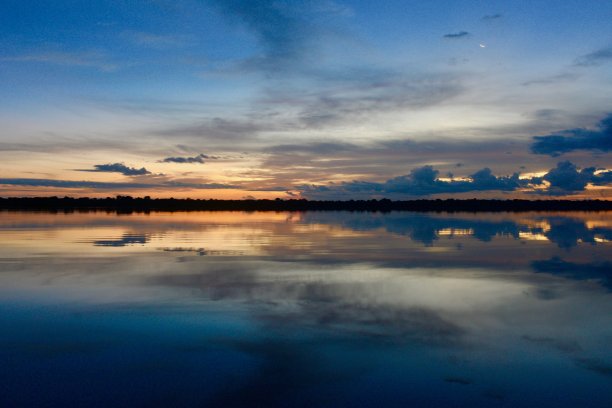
x,y
460,34
602,179
195,159
118,168
569,140
566,178
595,58
422,181
26,182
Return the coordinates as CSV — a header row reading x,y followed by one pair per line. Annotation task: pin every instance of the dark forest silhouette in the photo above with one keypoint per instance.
x,y
144,204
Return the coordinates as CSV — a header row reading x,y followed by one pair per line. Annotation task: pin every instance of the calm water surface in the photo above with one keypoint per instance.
x,y
316,309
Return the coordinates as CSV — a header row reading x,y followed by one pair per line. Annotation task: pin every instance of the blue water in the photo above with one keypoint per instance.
x,y
315,309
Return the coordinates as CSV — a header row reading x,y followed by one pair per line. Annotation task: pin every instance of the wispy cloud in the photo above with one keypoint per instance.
x,y
286,31
595,58
29,182
455,36
359,94
278,27
157,41
553,79
220,129
91,59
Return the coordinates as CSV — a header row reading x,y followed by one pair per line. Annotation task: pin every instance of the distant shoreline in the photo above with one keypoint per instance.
x,y
123,204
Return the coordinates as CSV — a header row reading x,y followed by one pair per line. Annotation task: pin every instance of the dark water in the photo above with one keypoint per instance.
x,y
313,310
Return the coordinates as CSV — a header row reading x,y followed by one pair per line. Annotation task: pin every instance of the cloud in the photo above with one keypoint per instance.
x,y
566,178
196,159
278,29
357,95
602,178
595,58
381,160
554,79
221,129
286,31
332,99
422,181
118,168
599,139
158,41
318,148
91,59
460,34
490,17
28,182
274,188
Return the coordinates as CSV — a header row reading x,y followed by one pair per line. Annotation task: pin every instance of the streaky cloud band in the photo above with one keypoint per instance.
x,y
33,182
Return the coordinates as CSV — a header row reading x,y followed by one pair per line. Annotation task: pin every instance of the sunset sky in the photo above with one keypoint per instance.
x,y
318,99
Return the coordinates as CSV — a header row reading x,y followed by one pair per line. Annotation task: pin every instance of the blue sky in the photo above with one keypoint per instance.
x,y
292,98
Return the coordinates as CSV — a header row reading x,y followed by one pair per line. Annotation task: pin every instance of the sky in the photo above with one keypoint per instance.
x,y
316,99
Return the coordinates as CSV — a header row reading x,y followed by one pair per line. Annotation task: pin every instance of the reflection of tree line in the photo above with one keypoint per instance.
x,y
129,204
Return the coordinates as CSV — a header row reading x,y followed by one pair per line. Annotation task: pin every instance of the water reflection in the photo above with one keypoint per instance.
x,y
126,239
314,309
598,271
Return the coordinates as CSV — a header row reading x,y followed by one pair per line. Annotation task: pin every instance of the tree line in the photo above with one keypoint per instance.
x,y
144,204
